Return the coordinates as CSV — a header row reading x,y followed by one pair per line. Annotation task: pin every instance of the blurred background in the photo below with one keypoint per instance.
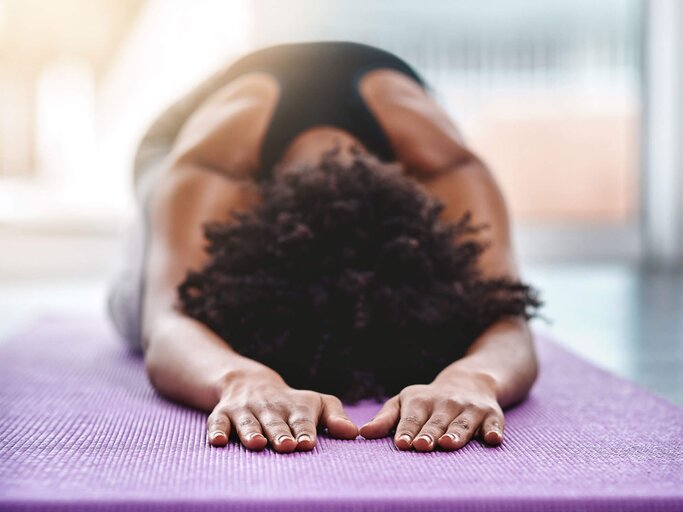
x,y
575,104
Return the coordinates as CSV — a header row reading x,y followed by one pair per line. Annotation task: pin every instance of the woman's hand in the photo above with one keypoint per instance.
x,y
263,409
447,412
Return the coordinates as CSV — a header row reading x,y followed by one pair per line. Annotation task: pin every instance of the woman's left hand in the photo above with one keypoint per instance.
x,y
448,413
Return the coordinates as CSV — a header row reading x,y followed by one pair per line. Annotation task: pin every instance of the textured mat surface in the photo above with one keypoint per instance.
x,y
80,428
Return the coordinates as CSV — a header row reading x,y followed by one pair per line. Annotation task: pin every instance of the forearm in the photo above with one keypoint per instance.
x,y
190,364
465,398
186,361
503,356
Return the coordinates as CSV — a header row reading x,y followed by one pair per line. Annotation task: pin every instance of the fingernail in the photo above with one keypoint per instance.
x,y
426,438
303,438
406,438
216,433
497,434
253,435
453,437
283,438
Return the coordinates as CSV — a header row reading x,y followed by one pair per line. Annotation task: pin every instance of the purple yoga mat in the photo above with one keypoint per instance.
x,y
81,429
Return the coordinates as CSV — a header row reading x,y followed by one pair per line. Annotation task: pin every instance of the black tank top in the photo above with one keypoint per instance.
x,y
319,86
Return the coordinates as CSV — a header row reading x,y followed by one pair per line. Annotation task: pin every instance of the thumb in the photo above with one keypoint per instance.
x,y
384,420
333,417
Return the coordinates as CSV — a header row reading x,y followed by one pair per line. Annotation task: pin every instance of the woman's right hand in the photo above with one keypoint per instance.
x,y
261,408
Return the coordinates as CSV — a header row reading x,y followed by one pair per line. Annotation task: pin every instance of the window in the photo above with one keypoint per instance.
x,y
547,92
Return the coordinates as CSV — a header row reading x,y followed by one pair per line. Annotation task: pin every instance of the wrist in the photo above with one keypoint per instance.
x,y
252,373
484,381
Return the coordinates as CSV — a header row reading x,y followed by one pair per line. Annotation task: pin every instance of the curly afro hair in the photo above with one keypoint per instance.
x,y
344,280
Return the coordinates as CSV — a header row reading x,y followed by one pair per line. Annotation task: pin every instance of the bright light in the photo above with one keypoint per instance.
x,y
3,14
65,122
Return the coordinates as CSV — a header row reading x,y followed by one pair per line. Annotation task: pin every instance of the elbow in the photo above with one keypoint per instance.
x,y
156,331
529,368
532,368
152,366
533,372
156,365
535,367
158,374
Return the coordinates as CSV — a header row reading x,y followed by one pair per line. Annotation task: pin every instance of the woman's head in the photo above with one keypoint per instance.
x,y
344,280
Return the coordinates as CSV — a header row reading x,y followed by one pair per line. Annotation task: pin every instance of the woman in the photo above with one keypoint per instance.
x,y
337,200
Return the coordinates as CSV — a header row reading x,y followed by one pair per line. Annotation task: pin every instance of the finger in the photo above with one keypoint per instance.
x,y
492,429
218,427
277,432
383,422
249,430
413,416
302,423
335,419
430,433
461,429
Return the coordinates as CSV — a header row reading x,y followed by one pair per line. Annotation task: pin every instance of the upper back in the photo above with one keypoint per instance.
x,y
260,114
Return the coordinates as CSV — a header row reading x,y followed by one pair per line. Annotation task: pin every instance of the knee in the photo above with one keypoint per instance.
x,y
123,312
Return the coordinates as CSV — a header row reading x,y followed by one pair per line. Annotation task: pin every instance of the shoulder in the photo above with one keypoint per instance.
x,y
423,136
226,130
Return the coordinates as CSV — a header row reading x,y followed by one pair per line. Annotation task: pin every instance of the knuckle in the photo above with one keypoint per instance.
x,y
302,421
462,423
273,404
273,423
417,402
236,410
439,422
303,409
411,419
247,421
306,395
221,409
314,395
430,430
496,422
489,410
452,403
231,399
215,418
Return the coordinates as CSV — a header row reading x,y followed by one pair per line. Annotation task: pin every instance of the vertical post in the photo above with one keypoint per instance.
x,y
662,190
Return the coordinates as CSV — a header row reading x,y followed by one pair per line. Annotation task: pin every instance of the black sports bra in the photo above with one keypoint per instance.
x,y
319,85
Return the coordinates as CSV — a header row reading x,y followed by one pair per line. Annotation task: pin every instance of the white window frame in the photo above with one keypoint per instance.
x,y
662,142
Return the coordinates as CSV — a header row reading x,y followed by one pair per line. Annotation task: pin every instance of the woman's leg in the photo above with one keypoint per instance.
x,y
124,296
125,291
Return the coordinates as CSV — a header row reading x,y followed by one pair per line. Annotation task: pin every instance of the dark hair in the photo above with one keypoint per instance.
x,y
344,280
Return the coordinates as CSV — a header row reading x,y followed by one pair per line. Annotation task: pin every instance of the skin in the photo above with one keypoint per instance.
x,y
210,172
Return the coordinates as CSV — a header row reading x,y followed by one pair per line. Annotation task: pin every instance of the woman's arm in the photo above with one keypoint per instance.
x,y
185,360
497,370
505,351
500,367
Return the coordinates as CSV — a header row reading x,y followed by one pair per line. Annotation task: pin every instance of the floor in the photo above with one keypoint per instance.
x,y
623,318
619,317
